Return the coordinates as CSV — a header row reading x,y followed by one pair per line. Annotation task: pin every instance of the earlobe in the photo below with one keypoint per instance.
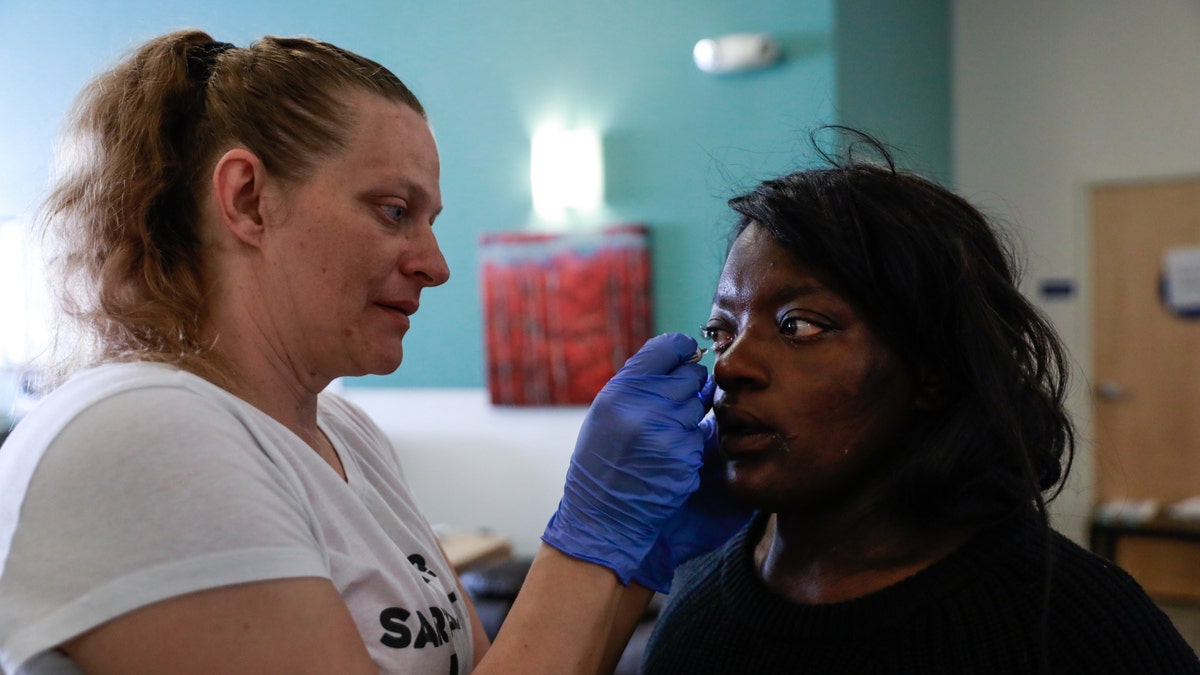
x,y
238,180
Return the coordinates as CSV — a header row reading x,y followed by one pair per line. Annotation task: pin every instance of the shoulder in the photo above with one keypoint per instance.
x,y
1088,585
1099,614
136,483
1087,579
129,434
121,411
1021,552
142,391
110,414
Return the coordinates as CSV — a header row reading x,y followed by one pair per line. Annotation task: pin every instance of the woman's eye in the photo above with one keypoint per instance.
x,y
717,335
797,327
393,211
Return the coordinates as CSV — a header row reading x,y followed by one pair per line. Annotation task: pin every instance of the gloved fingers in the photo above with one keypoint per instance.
x,y
708,427
660,355
688,413
650,413
708,391
692,413
683,383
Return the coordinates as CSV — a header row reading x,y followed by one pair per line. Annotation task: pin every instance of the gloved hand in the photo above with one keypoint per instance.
x,y
636,460
709,517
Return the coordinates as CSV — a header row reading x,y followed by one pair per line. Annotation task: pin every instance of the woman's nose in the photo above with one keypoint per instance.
x,y
426,261
741,364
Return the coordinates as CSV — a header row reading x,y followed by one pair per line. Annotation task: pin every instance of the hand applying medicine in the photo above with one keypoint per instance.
x,y
637,458
709,517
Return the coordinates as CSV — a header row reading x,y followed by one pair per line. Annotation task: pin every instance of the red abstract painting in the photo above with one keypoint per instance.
x,y
562,312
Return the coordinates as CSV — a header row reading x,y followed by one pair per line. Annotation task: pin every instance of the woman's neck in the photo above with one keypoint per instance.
x,y
818,561
293,407
264,380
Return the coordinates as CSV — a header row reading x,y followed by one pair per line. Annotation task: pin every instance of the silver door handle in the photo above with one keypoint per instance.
x,y
1110,390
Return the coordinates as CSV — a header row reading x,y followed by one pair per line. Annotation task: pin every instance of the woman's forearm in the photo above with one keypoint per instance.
x,y
571,616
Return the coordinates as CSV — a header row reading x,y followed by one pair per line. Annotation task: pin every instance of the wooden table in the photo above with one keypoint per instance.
x,y
1162,553
1104,536
468,549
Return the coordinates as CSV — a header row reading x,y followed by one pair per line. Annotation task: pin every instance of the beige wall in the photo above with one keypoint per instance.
x,y
1050,97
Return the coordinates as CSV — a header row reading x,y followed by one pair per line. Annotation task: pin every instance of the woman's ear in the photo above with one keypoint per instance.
x,y
239,178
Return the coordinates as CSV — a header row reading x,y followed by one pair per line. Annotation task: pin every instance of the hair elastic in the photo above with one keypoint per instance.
x,y
201,60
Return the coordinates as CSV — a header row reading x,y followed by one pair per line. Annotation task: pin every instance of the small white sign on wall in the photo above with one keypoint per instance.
x,y
1181,279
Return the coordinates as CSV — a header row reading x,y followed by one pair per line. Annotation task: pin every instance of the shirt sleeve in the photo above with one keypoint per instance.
x,y
147,495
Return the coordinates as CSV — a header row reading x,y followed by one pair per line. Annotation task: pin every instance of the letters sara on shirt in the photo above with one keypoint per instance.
x,y
432,627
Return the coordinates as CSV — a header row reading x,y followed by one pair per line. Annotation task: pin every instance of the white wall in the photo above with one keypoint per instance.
x,y
1051,97
472,465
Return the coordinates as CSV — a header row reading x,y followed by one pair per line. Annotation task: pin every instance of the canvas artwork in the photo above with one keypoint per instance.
x,y
562,312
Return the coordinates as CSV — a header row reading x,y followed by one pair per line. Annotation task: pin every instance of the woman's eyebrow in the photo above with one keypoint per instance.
x,y
781,294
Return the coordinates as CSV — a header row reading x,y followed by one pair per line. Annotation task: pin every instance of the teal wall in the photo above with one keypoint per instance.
x,y
678,142
893,77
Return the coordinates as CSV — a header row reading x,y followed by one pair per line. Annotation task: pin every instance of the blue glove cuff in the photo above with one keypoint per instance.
x,y
588,543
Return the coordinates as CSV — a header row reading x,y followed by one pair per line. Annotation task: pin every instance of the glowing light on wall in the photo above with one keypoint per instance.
x,y
566,171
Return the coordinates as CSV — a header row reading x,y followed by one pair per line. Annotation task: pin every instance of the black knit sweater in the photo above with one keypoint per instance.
x,y
979,610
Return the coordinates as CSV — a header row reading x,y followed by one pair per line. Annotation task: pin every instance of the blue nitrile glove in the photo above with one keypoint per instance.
x,y
636,460
709,517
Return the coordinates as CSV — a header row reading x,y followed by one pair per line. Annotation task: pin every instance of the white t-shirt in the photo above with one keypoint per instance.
x,y
133,483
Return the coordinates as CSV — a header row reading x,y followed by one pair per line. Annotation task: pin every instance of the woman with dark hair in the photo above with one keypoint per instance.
x,y
893,407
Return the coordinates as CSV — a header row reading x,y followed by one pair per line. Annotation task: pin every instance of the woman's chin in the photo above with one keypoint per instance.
x,y
376,364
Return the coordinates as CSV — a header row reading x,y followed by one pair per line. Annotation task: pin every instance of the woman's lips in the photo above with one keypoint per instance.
x,y
398,312
742,436
747,445
405,307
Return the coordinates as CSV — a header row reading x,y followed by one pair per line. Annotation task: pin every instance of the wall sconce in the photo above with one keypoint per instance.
x,y
736,53
566,171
